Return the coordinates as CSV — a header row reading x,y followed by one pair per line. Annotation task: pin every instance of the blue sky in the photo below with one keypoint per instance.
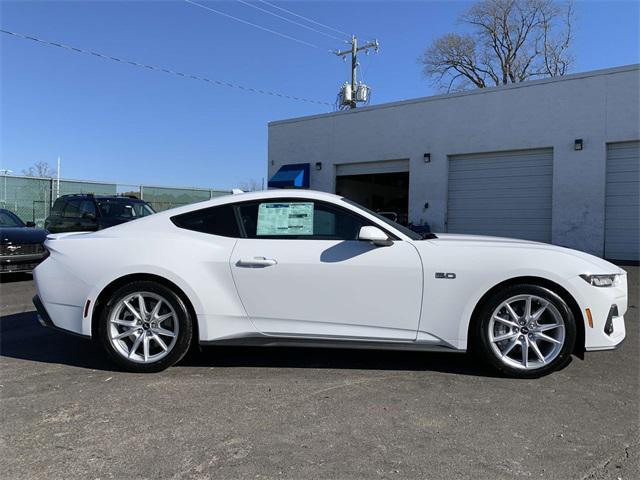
x,y
115,122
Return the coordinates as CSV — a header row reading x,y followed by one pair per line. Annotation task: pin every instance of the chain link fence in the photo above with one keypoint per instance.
x,y
31,197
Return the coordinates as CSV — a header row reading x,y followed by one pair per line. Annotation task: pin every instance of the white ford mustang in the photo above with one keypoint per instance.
x,y
309,268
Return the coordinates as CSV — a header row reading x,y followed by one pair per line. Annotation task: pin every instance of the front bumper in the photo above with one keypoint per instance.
x,y
20,263
607,306
614,329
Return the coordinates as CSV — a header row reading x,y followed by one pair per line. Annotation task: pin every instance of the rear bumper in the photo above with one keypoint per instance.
x,y
62,295
45,319
43,315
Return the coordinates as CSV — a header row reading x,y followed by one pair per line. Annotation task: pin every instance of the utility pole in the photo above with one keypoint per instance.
x,y
58,179
5,172
354,93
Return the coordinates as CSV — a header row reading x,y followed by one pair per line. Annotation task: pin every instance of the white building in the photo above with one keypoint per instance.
x,y
554,160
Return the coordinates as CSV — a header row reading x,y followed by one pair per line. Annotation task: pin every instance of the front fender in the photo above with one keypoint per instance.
x,y
448,303
528,276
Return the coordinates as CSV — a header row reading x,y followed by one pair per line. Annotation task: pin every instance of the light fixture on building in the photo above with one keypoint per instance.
x,y
577,144
318,165
427,158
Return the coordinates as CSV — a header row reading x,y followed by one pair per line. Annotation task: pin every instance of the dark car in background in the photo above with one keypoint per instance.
x,y
88,212
21,244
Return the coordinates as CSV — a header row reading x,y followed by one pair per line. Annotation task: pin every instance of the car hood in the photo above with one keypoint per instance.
x,y
21,235
598,265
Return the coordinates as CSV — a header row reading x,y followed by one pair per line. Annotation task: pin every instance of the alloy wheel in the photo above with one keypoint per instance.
x,y
143,327
526,332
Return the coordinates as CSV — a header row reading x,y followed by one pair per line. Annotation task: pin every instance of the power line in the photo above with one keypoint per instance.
x,y
161,69
252,24
288,20
303,17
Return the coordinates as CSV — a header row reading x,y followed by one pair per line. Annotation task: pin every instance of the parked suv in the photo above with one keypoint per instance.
x,y
88,212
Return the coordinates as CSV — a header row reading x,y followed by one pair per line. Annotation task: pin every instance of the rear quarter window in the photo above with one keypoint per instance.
x,y
214,221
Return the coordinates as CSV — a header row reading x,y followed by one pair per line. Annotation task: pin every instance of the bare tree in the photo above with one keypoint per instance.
x,y
39,169
251,185
512,41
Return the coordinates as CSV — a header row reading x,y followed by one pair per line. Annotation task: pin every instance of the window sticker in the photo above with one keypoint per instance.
x,y
285,219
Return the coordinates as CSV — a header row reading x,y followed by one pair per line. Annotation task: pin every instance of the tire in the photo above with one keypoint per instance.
x,y
148,342
506,337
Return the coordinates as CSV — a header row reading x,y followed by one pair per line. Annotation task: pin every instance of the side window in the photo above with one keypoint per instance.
x,y
72,209
215,221
335,223
299,219
87,206
75,208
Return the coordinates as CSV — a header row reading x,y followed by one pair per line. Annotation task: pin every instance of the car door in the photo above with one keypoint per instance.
x,y
300,271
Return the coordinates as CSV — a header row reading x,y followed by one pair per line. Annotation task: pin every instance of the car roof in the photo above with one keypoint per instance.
x,y
281,193
117,198
99,197
159,219
249,196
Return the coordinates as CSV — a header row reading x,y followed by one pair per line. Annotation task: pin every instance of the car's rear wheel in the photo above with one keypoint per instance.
x,y
525,331
145,327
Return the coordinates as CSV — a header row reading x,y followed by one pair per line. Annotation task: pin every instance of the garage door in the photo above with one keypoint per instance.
x,y
504,194
365,168
622,202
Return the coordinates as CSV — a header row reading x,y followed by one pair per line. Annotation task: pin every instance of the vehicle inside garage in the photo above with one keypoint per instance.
x,y
381,186
387,193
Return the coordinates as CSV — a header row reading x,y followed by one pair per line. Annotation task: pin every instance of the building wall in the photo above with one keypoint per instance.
x,y
599,107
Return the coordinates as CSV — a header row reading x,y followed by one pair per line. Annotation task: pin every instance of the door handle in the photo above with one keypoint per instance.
x,y
256,262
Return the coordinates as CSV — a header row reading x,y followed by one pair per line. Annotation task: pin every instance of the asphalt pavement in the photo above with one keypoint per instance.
x,y
307,413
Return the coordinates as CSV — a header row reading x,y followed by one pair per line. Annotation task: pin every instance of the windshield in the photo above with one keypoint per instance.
x,y
8,219
121,208
407,231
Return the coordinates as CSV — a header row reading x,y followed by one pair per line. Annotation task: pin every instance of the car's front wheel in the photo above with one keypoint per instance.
x,y
525,331
145,327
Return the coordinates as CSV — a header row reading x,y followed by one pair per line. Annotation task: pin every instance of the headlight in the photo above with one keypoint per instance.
x,y
609,280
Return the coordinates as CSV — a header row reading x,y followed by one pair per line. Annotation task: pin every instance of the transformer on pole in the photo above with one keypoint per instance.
x,y
353,93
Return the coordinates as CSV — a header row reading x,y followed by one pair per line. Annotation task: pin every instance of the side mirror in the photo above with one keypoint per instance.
x,y
374,235
30,224
88,216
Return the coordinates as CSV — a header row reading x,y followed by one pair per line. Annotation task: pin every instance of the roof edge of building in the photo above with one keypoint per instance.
x,y
479,91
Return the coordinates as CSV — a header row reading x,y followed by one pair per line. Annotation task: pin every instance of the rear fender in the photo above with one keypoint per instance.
x,y
177,280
